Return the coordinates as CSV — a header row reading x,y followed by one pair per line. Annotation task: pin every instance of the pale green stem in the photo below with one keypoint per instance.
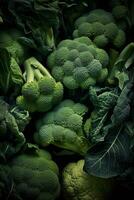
x,y
29,71
37,65
37,74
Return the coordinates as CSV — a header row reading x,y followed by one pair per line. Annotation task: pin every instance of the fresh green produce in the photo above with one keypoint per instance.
x,y
11,78
62,127
40,92
66,99
78,63
33,176
111,137
77,184
100,26
12,124
10,42
39,34
103,103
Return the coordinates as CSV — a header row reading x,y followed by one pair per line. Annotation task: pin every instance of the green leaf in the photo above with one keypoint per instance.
x,y
12,139
121,66
126,54
103,101
39,33
122,78
122,109
16,73
22,117
10,72
108,159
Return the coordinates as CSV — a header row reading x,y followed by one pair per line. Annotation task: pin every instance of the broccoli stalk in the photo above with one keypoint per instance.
x,y
35,64
41,91
28,72
50,38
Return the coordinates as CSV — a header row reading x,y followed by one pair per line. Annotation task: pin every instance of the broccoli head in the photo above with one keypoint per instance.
x,y
101,27
77,184
41,91
62,127
31,176
78,63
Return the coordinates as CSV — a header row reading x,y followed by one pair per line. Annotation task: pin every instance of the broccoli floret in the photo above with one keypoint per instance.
x,y
120,11
85,29
73,54
80,20
100,26
51,59
99,15
34,176
25,104
68,67
84,40
86,57
77,184
70,83
94,68
80,74
120,39
41,91
111,30
102,56
74,72
62,127
101,41
61,55
103,75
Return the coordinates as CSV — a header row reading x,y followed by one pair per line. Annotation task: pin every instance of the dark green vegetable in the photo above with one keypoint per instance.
x,y
33,175
11,127
40,92
67,85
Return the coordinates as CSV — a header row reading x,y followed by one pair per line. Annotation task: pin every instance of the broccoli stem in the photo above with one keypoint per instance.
x,y
29,72
38,74
50,38
37,65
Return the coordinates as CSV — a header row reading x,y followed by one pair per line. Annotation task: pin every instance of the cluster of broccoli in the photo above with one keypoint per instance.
x,y
41,77
78,63
32,176
40,92
62,127
101,27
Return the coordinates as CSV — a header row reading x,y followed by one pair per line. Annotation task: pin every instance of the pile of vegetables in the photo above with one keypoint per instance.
x,y
66,99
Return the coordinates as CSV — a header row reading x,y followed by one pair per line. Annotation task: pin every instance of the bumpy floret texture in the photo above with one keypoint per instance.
x,y
101,27
62,127
78,185
40,95
78,63
34,176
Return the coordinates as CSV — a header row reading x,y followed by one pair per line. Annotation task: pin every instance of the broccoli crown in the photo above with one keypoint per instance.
x,y
120,11
77,184
41,91
78,63
101,27
62,127
34,176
